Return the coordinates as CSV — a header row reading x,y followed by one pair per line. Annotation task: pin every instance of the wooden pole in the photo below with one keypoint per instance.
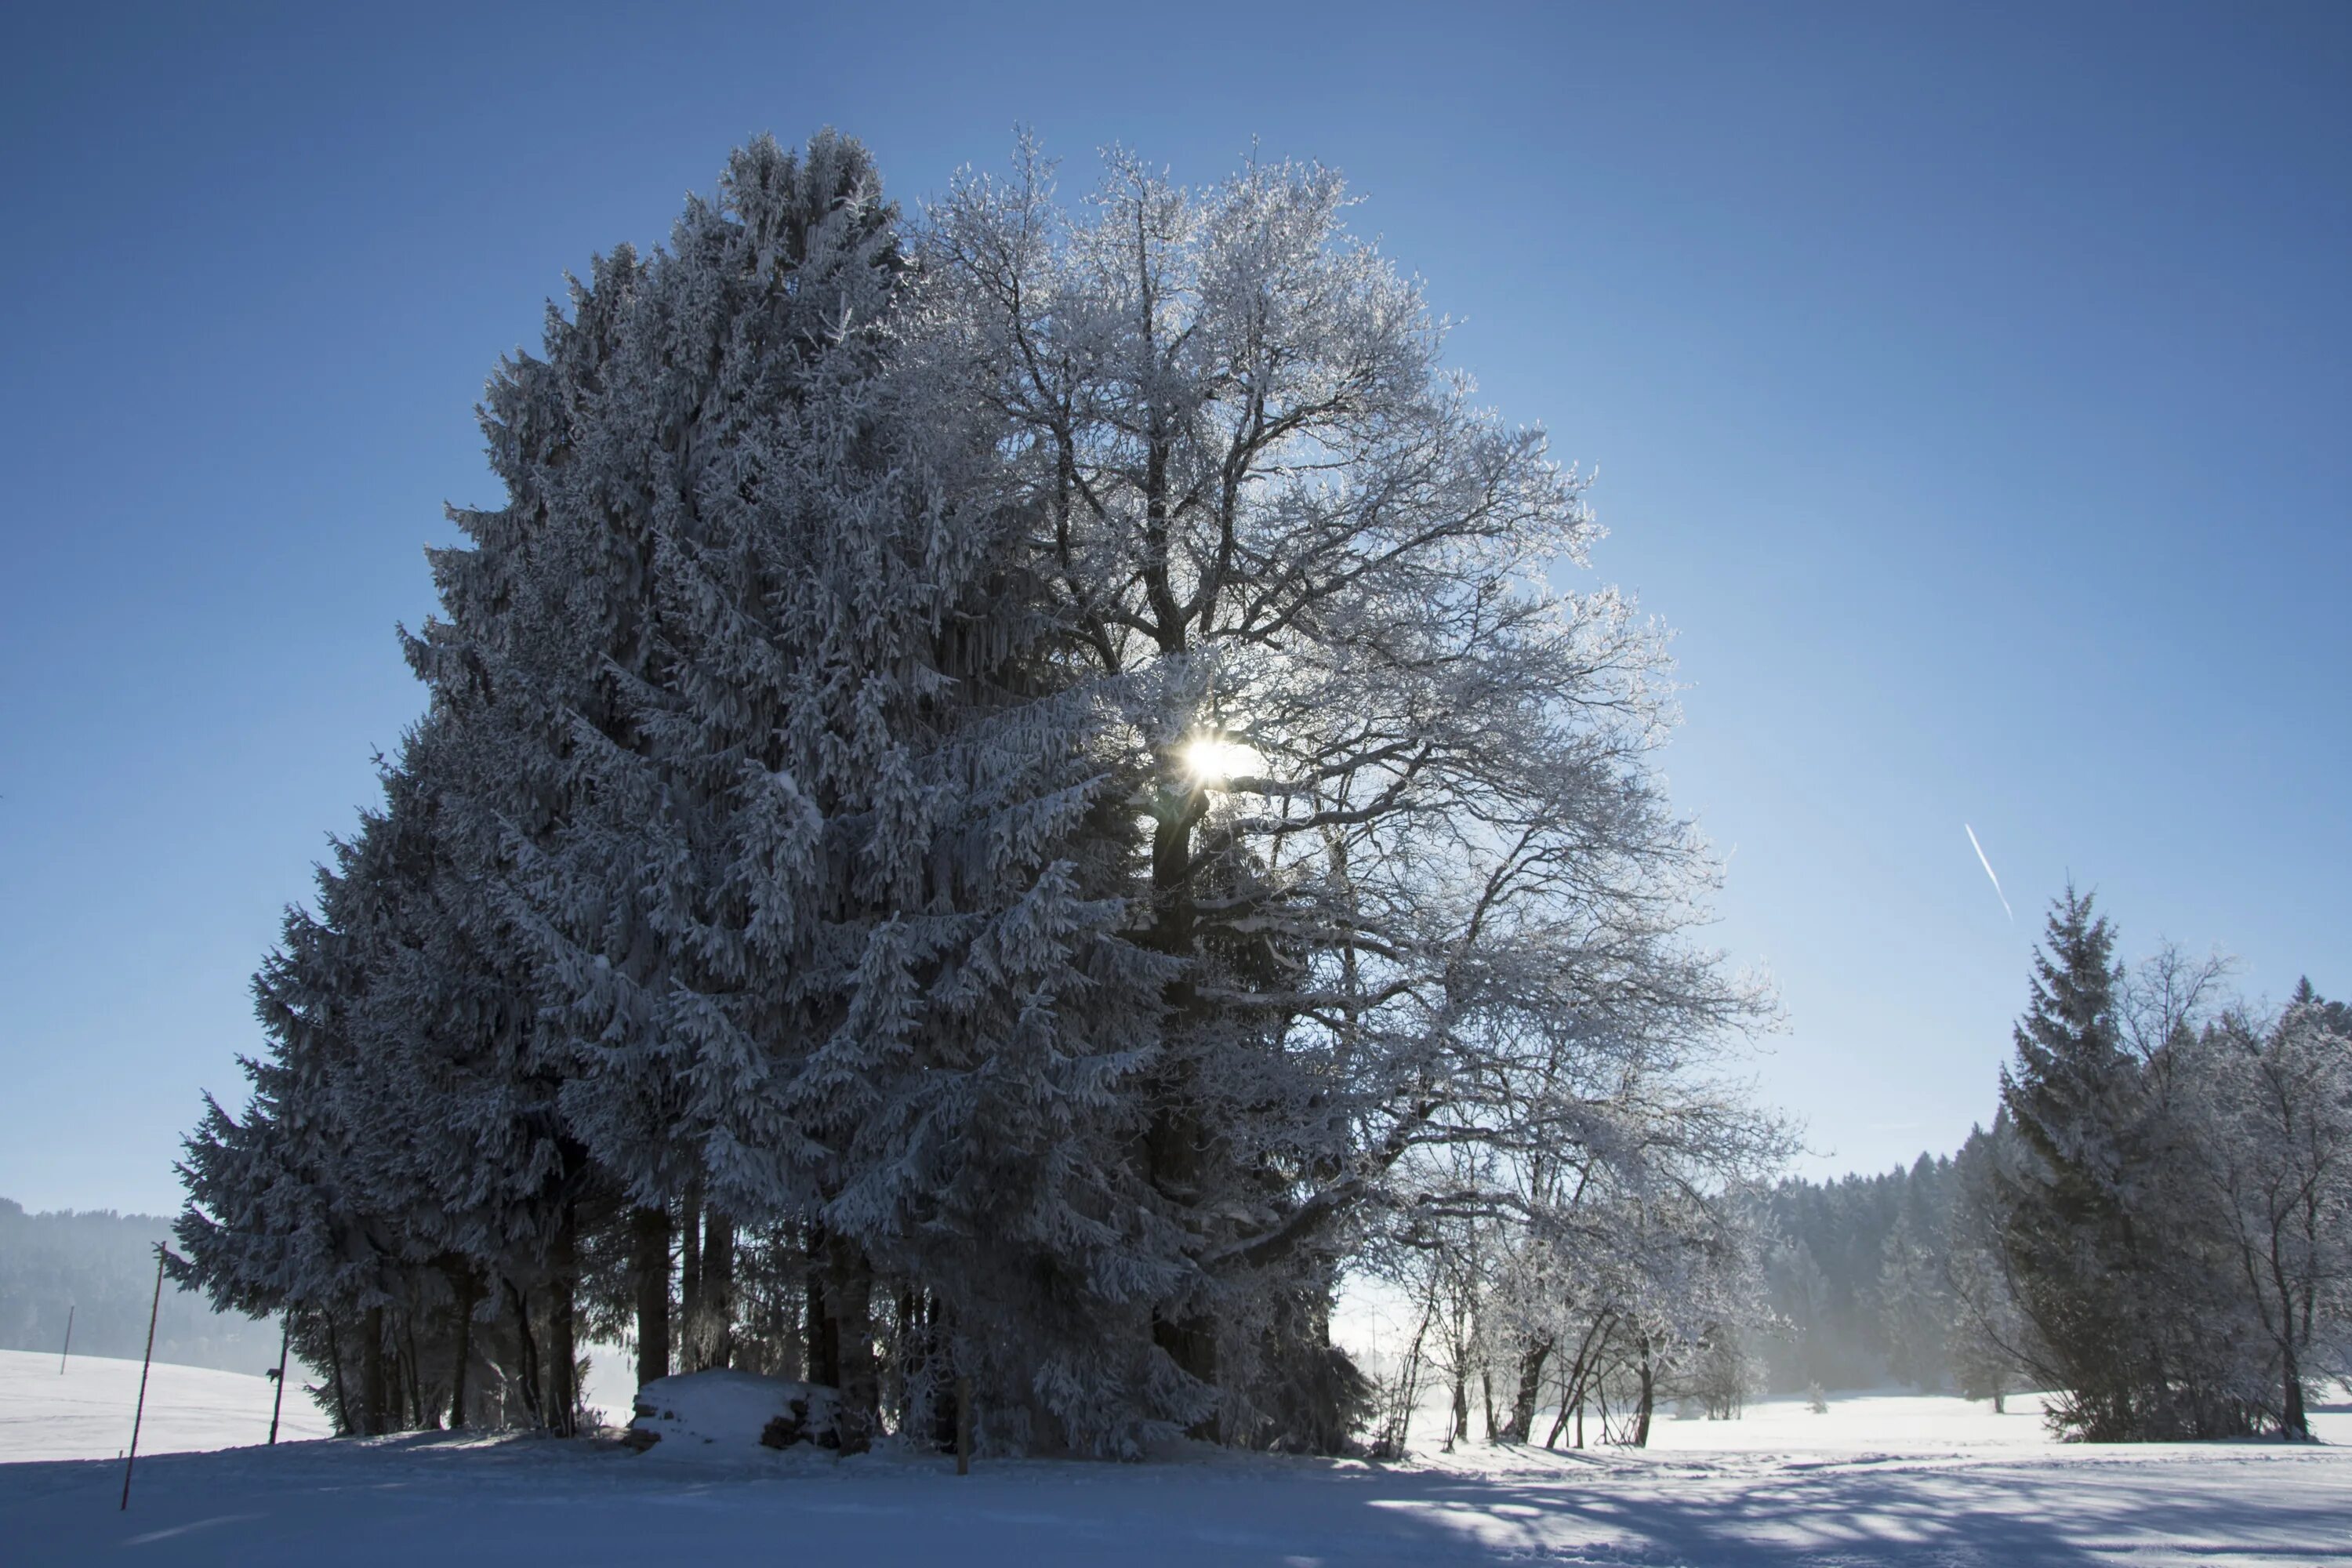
x,y
63,1353
130,1456
277,1401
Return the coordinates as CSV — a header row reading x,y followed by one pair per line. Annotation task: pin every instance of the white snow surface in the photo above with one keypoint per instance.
x,y
85,1413
724,1410
1878,1479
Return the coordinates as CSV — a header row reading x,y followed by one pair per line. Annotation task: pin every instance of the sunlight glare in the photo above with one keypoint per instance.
x,y
1212,758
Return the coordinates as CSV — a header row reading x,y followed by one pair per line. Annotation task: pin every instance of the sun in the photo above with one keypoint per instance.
x,y
1212,758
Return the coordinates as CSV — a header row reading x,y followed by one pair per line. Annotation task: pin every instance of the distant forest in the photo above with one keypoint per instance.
x,y
101,1266
1855,1275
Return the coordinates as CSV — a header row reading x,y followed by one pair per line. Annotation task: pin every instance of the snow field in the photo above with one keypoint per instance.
x,y
86,1413
1878,1479
1909,1423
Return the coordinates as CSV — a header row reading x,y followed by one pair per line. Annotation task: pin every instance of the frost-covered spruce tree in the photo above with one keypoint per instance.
x,y
1392,789
800,825
451,1090
390,1179
2070,1240
269,1226
286,1198
2113,1248
908,804
544,619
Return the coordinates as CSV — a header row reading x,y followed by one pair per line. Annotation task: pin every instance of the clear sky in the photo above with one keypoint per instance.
x,y
1968,385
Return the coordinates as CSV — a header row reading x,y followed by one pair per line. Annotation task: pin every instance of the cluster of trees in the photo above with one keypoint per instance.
x,y
1652,1296
2155,1230
2161,1230
1008,797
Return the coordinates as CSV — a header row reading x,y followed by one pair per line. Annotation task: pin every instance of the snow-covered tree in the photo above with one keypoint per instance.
x,y
2117,1254
1395,817
807,831
2273,1106
1992,1348
398,1167
2075,1098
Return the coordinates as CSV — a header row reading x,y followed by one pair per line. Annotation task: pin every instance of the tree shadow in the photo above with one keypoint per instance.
x,y
2104,1509
439,1497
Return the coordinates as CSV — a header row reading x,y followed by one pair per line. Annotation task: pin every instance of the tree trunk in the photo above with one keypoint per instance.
x,y
371,1389
1572,1387
849,1308
1397,1427
1649,1400
1487,1395
462,1284
1560,1417
964,1425
2292,1420
940,1355
909,1360
649,1271
1523,1406
335,1360
689,1281
649,1242
823,1343
526,1375
718,1288
790,1330
562,1349
1461,1426
1176,1139
412,1368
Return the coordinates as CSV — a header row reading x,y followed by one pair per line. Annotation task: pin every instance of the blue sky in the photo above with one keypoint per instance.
x,y
1968,388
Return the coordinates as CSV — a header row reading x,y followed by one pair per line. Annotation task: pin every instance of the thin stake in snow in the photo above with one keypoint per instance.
x,y
69,1348
277,1400
130,1455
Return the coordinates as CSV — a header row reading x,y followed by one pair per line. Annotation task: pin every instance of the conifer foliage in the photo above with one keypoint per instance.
x,y
2074,1098
1005,798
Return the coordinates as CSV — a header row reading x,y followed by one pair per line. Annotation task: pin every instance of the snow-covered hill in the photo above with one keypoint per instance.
x,y
85,1413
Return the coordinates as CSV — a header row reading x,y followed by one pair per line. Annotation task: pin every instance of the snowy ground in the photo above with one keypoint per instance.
x,y
1864,1423
1878,1480
85,1413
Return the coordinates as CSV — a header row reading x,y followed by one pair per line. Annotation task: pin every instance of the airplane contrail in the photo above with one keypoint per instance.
x,y
1988,865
